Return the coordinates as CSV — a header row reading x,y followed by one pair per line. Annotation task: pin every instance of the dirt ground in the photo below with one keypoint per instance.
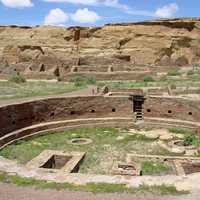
x,y
12,192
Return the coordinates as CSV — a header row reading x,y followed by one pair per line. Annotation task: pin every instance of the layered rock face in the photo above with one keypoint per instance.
x,y
133,47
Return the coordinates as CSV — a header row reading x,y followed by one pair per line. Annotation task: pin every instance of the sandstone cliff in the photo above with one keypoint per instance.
x,y
58,51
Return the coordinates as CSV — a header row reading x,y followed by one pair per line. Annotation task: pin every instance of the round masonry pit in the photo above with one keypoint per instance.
x,y
80,141
181,144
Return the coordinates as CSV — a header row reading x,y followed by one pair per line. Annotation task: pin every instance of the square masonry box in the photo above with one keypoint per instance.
x,y
57,161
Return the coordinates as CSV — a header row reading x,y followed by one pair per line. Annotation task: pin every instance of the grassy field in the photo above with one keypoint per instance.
x,y
137,84
173,77
18,87
109,145
155,167
12,90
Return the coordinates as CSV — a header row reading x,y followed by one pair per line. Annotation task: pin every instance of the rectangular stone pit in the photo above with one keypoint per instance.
x,y
183,165
57,161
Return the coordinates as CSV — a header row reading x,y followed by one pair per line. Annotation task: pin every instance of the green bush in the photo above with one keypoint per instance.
x,y
148,79
173,86
91,80
191,140
83,80
173,72
17,79
190,73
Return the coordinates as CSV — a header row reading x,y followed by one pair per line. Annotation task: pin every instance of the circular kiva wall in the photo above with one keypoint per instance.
x,y
22,119
52,114
173,109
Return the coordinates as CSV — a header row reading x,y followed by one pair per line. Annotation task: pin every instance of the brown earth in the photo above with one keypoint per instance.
x,y
12,192
57,51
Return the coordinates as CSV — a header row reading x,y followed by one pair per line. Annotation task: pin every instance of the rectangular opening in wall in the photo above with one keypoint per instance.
x,y
56,162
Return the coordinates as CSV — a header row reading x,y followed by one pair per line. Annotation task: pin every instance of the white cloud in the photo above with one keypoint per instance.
x,y
85,16
108,3
167,11
59,17
116,4
17,3
56,17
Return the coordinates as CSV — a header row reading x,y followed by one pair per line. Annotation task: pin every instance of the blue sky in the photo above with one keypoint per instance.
x,y
92,12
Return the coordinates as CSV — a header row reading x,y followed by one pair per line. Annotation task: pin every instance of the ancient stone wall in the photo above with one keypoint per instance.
x,y
21,115
172,108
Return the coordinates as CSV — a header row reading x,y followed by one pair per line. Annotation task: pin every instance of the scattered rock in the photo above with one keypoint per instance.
x,y
152,136
166,137
180,136
191,152
120,138
177,150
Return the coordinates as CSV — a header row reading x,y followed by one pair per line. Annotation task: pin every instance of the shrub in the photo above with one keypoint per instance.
x,y
173,72
191,140
173,86
17,79
91,80
83,80
190,73
148,79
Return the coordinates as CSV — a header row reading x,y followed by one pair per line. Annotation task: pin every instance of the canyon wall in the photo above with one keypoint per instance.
x,y
133,47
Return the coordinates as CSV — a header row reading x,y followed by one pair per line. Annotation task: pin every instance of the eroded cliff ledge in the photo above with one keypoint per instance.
x,y
139,46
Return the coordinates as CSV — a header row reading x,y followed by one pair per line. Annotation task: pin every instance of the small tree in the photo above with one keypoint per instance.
x,y
17,79
148,79
173,72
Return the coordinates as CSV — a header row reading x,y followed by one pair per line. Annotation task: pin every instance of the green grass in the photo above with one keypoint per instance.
x,y
17,79
12,90
151,167
190,73
100,154
183,131
91,187
189,136
173,72
192,82
192,140
83,80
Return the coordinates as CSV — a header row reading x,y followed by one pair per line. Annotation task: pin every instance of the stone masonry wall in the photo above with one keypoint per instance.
x,y
173,108
17,116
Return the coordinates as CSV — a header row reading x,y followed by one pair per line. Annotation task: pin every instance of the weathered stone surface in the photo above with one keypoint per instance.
x,y
124,47
166,137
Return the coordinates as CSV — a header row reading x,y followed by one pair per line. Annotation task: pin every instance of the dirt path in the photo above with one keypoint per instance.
x,y
12,192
